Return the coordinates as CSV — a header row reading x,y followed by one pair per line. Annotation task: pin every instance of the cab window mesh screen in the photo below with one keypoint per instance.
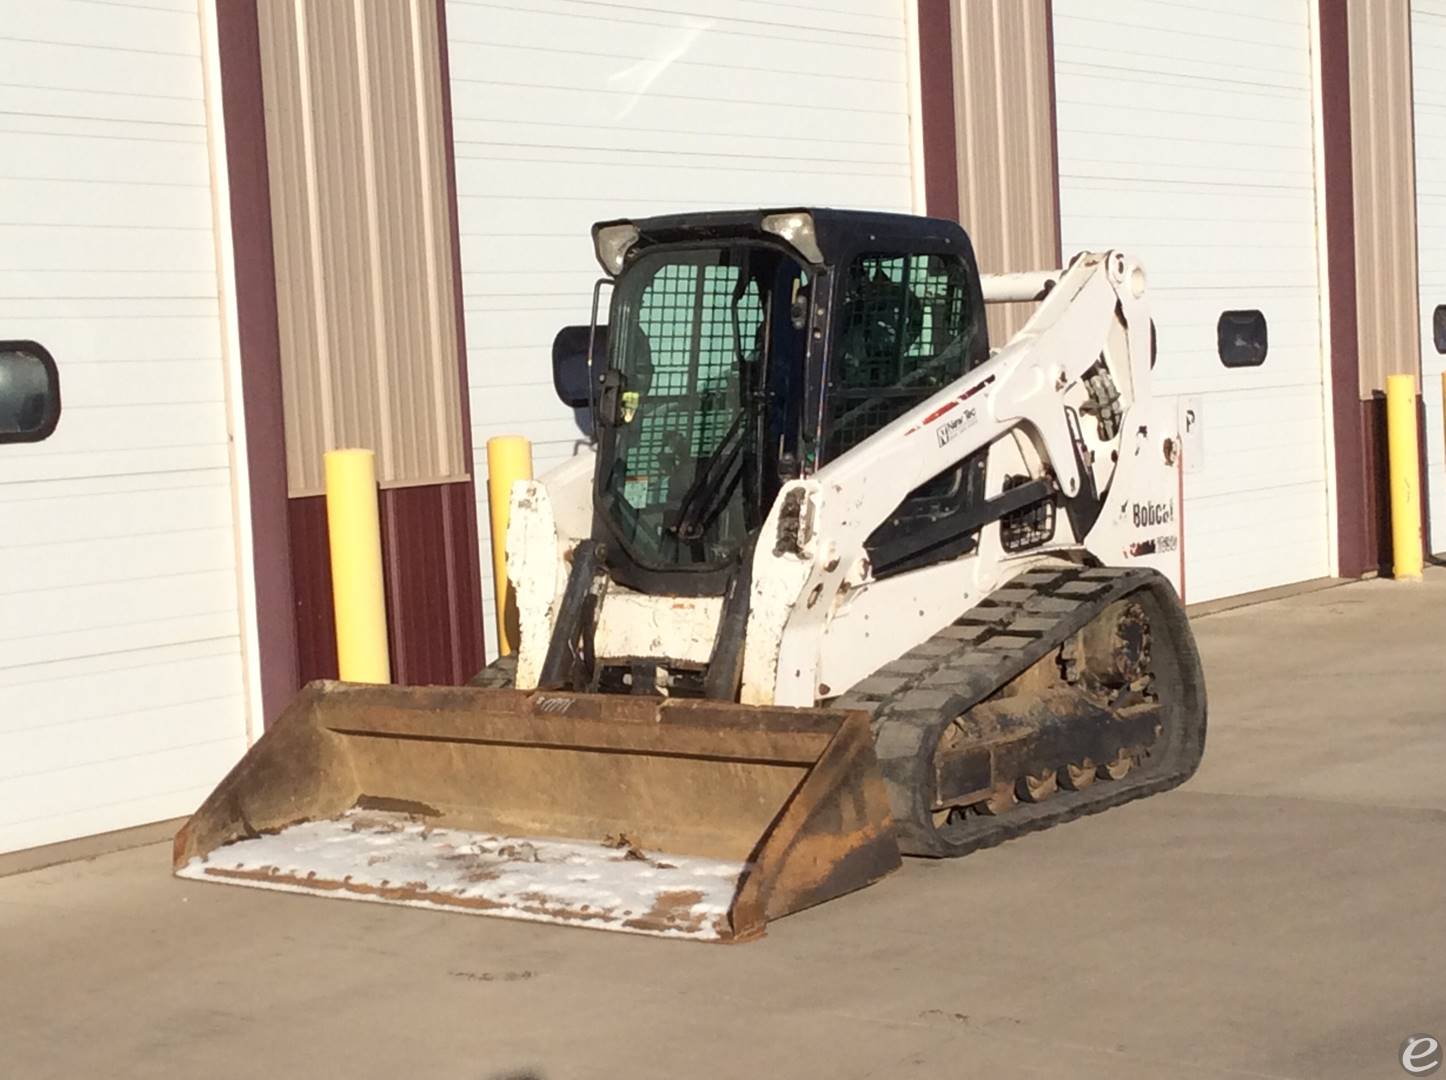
x,y
906,331
686,316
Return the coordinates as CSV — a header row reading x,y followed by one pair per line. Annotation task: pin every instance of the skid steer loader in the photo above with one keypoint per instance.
x,y
835,581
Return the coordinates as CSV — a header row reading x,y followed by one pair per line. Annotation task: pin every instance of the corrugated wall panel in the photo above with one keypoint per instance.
x,y
1385,191
1428,46
434,624
362,222
1003,94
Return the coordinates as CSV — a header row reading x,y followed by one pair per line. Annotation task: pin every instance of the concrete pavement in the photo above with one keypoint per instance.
x,y
1280,916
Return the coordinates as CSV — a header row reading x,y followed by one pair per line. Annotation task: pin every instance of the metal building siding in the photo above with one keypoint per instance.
x,y
1385,192
121,684
1428,46
1006,142
430,571
362,223
566,113
1185,135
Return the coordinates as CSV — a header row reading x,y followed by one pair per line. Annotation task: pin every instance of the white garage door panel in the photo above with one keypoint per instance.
x,y
1186,138
103,70
1222,172
35,102
114,605
120,464
60,748
19,492
697,144
1279,239
1281,545
62,519
529,404
94,797
139,558
569,112
132,27
144,382
726,114
72,204
131,637
663,81
1150,199
524,285
123,247
93,150
113,426
654,176
1428,45
100,285
1268,435
64,693
745,18
674,37
511,334
1293,360
120,665
1181,147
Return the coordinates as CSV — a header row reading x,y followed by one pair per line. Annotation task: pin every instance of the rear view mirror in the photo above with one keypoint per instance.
x,y
29,392
571,374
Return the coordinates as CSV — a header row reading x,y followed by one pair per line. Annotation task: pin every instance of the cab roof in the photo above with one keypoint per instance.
x,y
839,233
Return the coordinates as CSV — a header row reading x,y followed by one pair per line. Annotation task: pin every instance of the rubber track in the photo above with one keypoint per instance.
x,y
916,697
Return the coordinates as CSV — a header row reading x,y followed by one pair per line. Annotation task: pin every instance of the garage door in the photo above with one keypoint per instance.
x,y
569,112
120,671
1185,136
1428,38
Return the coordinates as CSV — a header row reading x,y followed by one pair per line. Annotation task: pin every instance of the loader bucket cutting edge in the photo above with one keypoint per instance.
x,y
674,817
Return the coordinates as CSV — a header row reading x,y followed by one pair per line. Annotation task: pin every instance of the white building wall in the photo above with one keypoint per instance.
x,y
1185,135
121,687
571,112
1428,39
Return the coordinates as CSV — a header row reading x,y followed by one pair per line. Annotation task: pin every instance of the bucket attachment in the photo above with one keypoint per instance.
x,y
674,817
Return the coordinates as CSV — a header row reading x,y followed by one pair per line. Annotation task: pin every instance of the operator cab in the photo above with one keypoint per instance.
x,y
745,349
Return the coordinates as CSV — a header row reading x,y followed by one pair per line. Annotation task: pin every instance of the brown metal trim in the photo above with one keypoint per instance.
x,y
312,610
1353,532
937,113
1375,506
467,526
434,602
244,112
1053,128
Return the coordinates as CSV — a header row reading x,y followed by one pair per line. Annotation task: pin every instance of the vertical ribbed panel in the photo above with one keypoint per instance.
x,y
1385,190
362,226
1006,144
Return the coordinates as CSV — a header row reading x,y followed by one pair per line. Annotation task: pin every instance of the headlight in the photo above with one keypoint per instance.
x,y
612,243
795,229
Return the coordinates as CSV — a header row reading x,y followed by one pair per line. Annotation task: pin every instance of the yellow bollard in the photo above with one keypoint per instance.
x,y
1405,466
357,591
509,459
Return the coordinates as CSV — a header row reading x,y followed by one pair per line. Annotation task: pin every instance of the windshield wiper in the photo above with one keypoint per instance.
x,y
720,472
713,484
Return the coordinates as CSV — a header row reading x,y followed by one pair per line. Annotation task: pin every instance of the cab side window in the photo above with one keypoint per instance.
x,y
908,327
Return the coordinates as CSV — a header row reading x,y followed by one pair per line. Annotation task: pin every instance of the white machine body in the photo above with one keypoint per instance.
x,y
818,620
